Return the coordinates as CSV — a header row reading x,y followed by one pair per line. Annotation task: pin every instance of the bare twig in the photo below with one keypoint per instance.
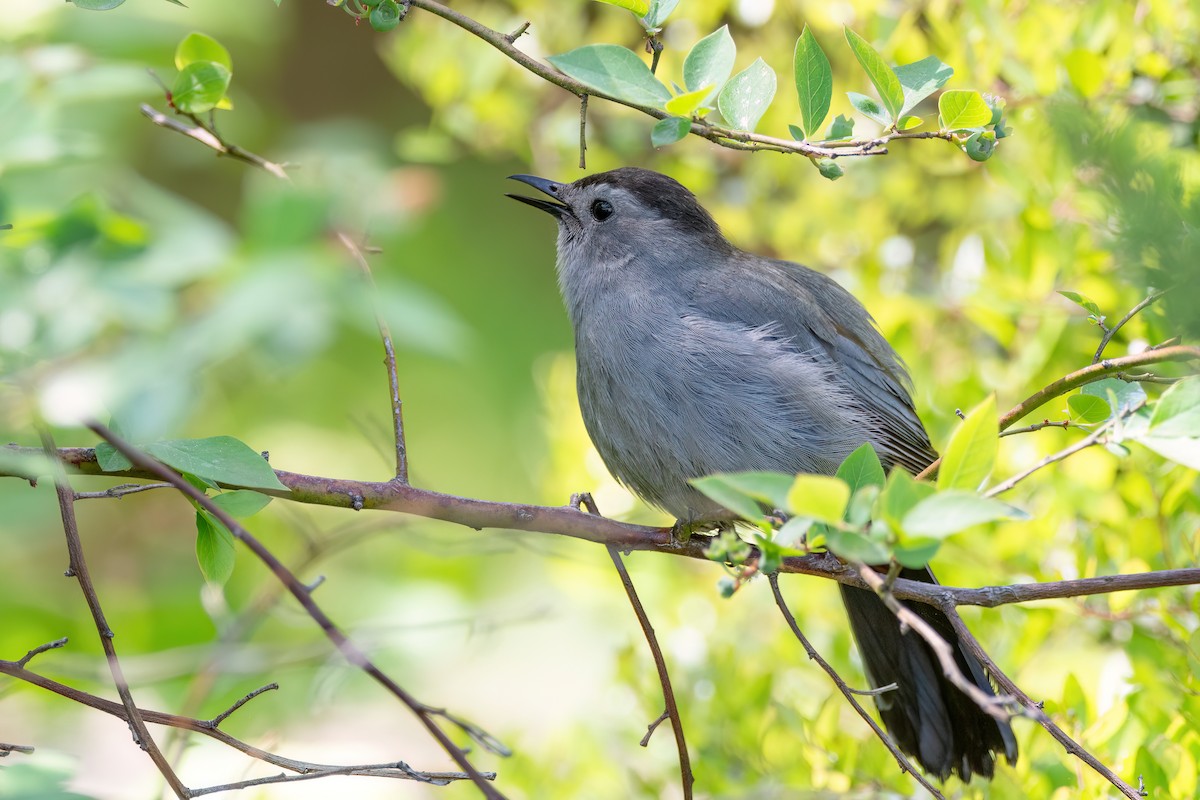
x,y
207,136
6,749
1037,426
1032,708
1092,438
120,491
349,650
660,663
848,693
224,715
583,131
389,360
42,648
78,568
1111,332
207,728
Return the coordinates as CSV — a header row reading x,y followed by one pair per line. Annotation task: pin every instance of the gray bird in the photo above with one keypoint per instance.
x,y
696,357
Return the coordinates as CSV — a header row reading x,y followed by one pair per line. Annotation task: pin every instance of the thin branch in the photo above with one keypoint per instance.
x,y
37,651
15,669
1111,332
652,727
349,650
725,137
78,568
569,521
6,749
120,491
660,663
1037,426
848,693
1080,377
208,137
995,705
1033,709
224,715
583,131
1093,438
389,361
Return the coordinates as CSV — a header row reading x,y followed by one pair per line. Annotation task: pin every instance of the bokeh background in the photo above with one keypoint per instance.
x,y
188,295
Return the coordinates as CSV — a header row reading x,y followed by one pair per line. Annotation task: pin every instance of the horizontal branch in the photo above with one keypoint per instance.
x,y
570,521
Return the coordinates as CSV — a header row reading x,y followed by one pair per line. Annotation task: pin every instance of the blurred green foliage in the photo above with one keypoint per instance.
x,y
193,296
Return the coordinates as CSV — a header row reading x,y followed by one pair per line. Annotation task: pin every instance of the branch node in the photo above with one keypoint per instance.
x,y
518,33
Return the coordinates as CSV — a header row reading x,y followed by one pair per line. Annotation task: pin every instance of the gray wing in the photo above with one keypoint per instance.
x,y
820,318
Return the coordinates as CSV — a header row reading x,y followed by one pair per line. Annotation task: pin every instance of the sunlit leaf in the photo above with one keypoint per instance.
x,y
945,513
814,82
1088,409
921,79
959,109
1081,300
710,62
862,468
613,70
818,497
638,7
869,108
971,452
198,47
670,130
1177,412
853,546
900,494
1129,394
200,86
684,105
658,13
747,95
97,5
881,75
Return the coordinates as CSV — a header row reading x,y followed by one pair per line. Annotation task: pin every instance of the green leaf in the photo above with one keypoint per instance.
x,y
862,468
796,133
853,546
109,459
386,16
944,513
900,494
1177,412
710,62
220,458
881,75
214,548
1085,70
97,5
670,130
842,127
745,493
869,108
658,13
1088,410
916,553
200,86
683,105
613,70
858,511
747,95
909,122
921,79
638,7
971,453
959,109
1081,300
1128,395
829,168
814,81
241,503
818,497
198,47
793,531
1181,450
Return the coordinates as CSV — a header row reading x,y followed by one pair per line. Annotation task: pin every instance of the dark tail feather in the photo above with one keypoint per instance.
x,y
928,717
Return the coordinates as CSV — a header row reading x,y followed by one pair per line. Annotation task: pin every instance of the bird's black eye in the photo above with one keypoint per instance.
x,y
601,209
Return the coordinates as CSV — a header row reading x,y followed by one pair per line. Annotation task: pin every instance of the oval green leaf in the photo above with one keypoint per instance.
x,y
241,503
1087,410
869,107
882,76
200,86
946,513
960,109
814,82
971,453
921,79
97,5
861,468
638,7
819,497
658,13
198,47
710,62
684,105
1177,412
670,130
613,70
214,548
746,97
222,459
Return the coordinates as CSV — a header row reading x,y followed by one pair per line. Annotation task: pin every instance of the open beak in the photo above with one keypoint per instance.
x,y
542,185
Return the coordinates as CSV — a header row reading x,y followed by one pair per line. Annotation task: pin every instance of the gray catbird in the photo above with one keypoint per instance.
x,y
696,358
